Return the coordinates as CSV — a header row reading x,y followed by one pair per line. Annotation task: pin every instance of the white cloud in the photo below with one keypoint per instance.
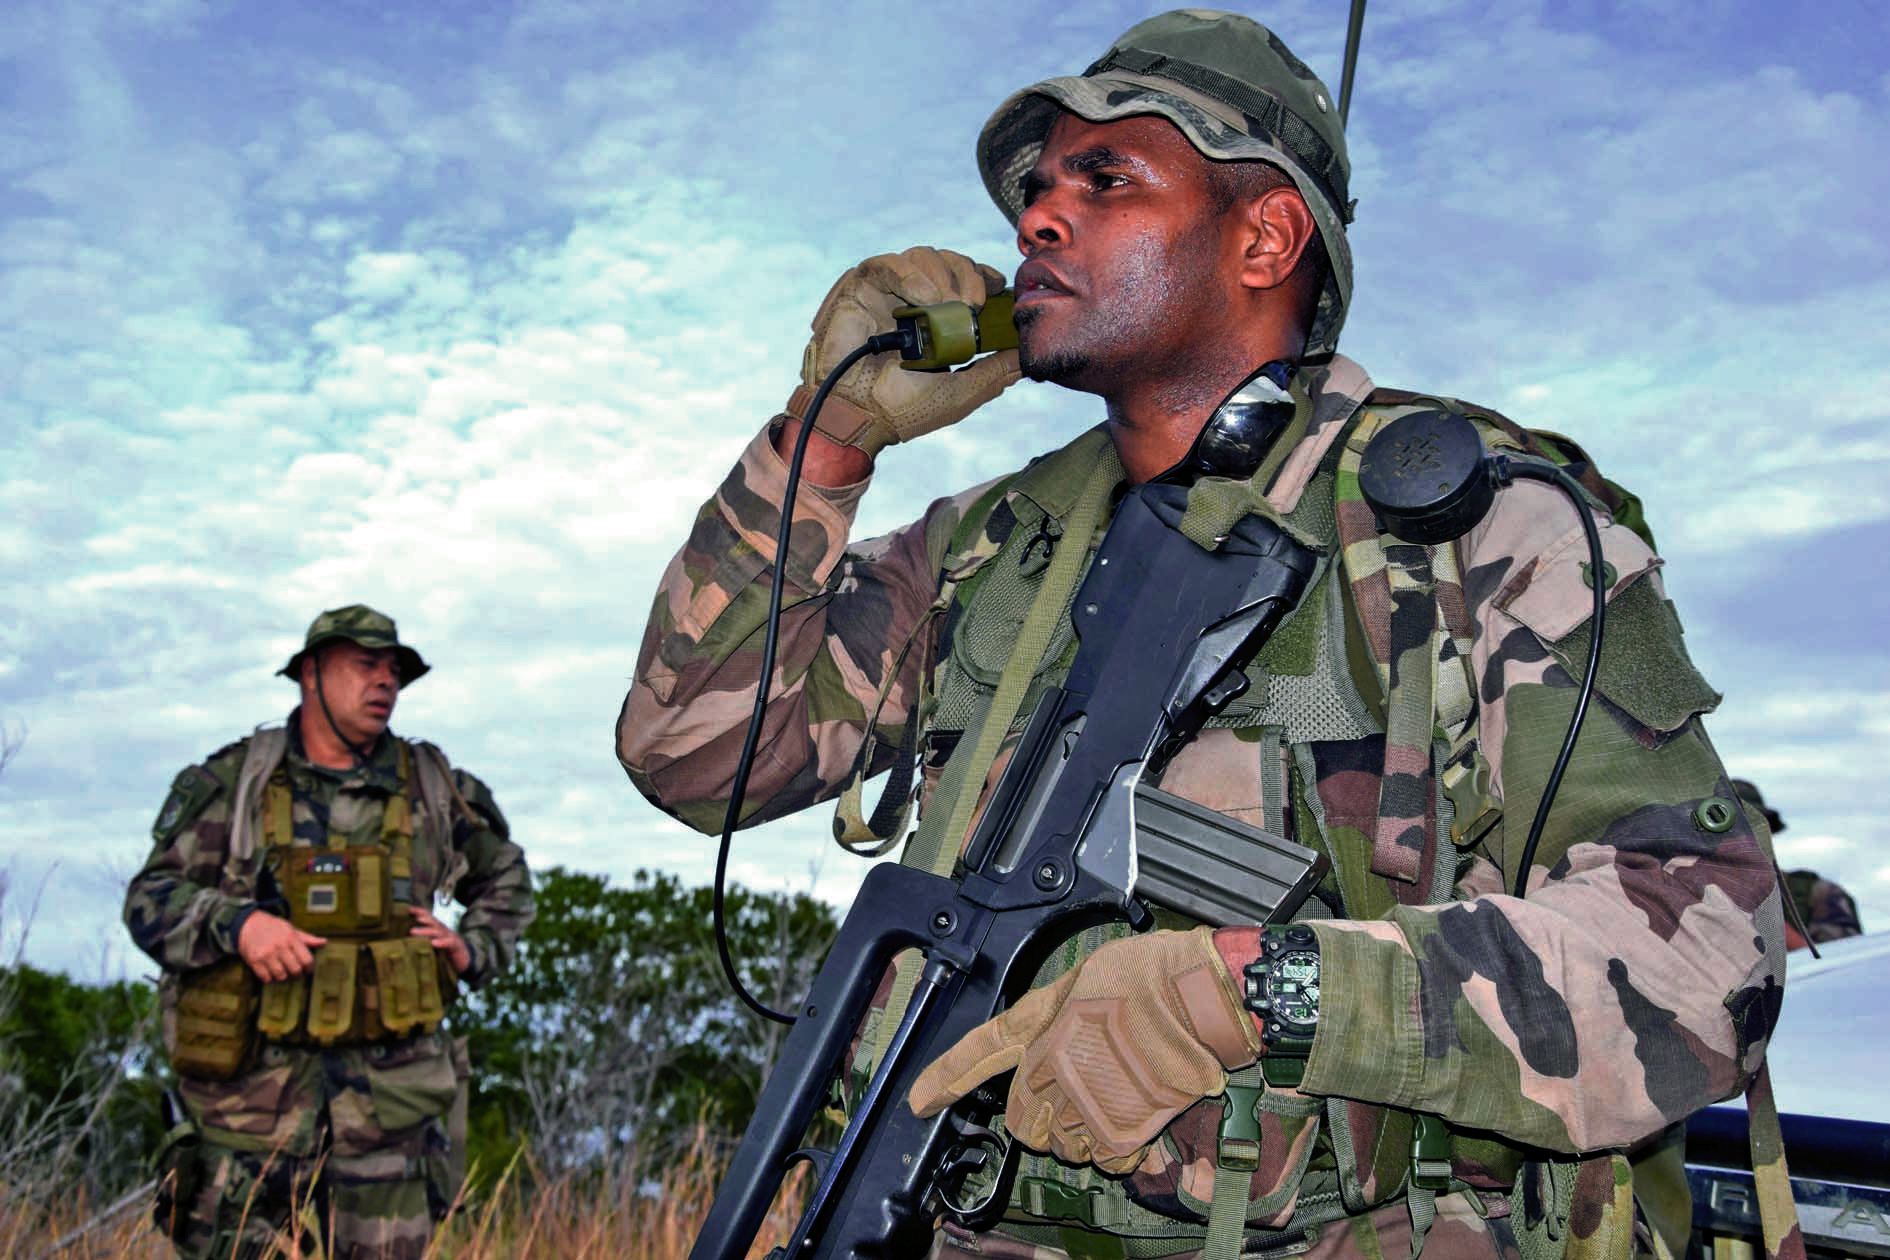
x,y
473,342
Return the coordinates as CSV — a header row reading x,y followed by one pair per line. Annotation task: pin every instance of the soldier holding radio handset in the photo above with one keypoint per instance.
x,y
1465,1043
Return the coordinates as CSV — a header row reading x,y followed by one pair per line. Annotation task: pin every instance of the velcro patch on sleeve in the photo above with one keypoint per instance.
x,y
1645,669
191,790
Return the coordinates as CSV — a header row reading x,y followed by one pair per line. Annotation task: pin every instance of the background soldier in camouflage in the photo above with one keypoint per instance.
x,y
349,1140
1181,210
1821,906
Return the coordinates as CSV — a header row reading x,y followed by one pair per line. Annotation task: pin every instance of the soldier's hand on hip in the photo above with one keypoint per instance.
x,y
442,938
276,949
877,403
1111,1052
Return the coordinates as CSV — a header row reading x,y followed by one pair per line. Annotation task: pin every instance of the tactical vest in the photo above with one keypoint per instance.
x,y
373,981
1322,682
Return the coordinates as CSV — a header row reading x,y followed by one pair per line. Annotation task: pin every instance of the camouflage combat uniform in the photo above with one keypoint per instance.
x,y
355,1136
1828,911
1638,981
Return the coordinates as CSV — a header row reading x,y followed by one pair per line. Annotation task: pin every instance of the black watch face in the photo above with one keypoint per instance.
x,y
1295,987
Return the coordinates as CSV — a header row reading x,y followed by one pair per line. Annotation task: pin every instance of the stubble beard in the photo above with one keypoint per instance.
x,y
1102,342
1055,365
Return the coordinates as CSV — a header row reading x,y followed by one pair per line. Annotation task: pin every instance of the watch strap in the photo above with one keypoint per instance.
x,y
1287,1045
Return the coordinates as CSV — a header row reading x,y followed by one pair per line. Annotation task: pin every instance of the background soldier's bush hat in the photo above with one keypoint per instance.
x,y
1233,88
363,625
1748,792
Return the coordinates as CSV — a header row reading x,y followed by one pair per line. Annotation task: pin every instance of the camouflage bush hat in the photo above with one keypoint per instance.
x,y
360,624
1748,792
1233,88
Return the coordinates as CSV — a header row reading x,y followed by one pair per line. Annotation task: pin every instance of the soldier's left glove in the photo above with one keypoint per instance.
x,y
1110,1053
876,404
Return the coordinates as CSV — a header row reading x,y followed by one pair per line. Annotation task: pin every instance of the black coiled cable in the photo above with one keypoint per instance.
x,y
1507,470
770,637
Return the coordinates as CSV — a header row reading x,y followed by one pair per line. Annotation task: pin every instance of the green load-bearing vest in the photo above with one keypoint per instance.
x,y
374,980
1320,679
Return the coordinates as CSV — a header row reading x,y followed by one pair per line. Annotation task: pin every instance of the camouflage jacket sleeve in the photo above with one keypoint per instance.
x,y
1640,979
496,886
174,908
850,612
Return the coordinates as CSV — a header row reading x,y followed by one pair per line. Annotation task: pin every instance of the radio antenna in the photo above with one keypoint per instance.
x,y
1353,30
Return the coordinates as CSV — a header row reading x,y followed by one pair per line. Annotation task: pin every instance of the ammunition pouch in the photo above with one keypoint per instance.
x,y
332,991
283,1005
215,1021
405,994
360,992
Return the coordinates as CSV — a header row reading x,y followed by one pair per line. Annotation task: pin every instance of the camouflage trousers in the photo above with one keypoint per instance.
x,y
1460,1232
343,1154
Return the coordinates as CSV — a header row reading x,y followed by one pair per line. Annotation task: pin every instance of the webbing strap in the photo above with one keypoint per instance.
x,y
852,829
397,828
397,817
937,851
1235,1160
278,828
935,848
1778,1210
1423,1206
1404,830
1404,583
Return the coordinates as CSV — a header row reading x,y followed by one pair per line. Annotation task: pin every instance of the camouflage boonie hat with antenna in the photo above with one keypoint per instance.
x,y
1234,89
359,624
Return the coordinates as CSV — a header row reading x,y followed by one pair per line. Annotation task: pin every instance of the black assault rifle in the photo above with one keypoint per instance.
x,y
1071,838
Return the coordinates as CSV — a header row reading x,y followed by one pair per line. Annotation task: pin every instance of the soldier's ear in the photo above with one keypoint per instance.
x,y
1278,229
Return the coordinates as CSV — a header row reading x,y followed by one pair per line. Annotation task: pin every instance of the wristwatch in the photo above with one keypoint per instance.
x,y
1282,988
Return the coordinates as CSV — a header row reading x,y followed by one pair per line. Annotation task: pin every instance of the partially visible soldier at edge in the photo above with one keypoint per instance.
x,y
288,900
1821,907
1181,210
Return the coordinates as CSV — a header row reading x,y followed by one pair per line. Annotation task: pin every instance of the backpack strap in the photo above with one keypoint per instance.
x,y
1412,618
441,803
1778,1209
397,828
267,746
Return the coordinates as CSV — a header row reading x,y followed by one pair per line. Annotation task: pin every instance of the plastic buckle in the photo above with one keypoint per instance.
x,y
1240,1129
1430,1154
1054,1201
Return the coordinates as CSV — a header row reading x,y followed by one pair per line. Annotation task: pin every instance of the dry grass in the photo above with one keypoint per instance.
x,y
575,1218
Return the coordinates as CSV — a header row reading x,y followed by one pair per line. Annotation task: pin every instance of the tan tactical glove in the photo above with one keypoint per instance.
x,y
877,403
1141,1030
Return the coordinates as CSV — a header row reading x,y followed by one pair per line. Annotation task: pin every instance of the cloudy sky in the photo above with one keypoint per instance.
x,y
460,310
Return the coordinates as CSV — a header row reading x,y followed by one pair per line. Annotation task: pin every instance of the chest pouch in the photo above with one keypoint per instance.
x,y
338,892
374,980
216,1021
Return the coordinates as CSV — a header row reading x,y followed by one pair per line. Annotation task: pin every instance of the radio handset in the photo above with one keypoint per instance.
x,y
944,334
